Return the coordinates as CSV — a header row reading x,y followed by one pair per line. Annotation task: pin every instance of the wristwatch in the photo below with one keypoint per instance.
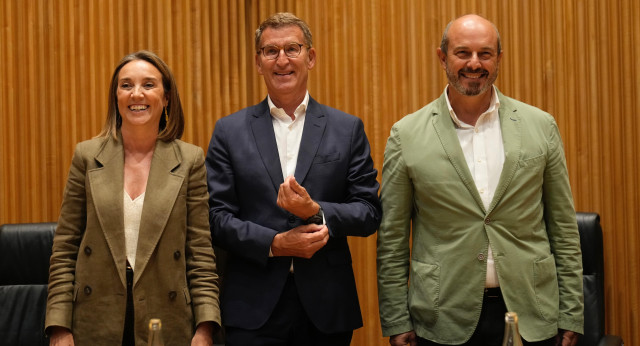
x,y
318,218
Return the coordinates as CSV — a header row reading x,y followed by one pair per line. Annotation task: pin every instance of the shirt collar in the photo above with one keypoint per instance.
x,y
281,115
494,105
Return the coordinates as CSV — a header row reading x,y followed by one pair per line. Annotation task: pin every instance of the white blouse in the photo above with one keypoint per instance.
x,y
132,213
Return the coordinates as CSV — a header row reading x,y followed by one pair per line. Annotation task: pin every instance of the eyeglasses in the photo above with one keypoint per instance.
x,y
291,50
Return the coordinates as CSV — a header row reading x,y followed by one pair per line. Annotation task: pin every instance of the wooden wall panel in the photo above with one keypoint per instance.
x,y
376,59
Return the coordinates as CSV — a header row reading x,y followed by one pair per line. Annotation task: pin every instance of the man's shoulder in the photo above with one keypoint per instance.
x,y
422,115
330,112
525,110
242,114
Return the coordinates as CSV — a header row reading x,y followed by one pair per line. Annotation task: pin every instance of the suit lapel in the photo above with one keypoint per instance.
x,y
445,128
106,184
163,186
314,125
262,128
510,125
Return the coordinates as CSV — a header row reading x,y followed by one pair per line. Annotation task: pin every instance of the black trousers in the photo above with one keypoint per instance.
x,y
128,337
288,325
490,329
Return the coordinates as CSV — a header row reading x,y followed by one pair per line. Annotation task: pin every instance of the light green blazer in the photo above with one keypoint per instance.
x,y
436,287
175,277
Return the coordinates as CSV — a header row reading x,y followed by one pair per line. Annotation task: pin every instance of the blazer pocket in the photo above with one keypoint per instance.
x,y
326,158
545,281
532,167
535,161
424,291
76,288
187,295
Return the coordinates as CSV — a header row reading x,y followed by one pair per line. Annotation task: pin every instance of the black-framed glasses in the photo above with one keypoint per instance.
x,y
291,50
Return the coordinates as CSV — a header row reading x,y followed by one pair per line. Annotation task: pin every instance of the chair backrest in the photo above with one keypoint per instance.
x,y
593,277
25,250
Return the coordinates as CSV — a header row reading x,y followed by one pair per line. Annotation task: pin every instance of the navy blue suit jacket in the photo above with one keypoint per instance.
x,y
244,175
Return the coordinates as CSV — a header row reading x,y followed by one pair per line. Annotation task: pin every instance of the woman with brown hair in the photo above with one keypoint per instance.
x,y
133,240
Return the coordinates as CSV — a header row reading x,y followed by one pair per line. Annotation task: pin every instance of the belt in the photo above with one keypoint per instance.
x,y
492,292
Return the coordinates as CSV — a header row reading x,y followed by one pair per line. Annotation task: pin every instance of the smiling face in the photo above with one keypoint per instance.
x,y
140,94
286,78
472,59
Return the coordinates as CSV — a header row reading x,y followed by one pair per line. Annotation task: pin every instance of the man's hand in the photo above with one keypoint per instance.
x,y
61,336
302,241
408,338
294,198
566,338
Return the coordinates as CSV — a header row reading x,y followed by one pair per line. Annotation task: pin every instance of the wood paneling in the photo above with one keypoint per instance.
x,y
376,59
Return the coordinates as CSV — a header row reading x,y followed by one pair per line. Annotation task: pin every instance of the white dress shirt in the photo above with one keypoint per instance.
x,y
484,152
288,134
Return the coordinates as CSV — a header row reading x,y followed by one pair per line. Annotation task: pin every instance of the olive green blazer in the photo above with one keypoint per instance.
x,y
175,276
437,288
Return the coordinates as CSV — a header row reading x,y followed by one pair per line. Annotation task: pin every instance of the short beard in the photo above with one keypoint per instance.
x,y
475,88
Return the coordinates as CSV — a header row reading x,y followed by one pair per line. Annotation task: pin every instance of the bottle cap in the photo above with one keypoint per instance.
x,y
155,324
511,317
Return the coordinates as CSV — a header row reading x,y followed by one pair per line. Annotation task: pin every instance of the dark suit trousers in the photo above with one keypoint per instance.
x,y
288,325
490,329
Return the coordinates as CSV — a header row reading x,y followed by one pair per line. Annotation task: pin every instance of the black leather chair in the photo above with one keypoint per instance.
x,y
25,250
593,282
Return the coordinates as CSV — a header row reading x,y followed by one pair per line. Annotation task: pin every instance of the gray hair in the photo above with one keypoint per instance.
x,y
280,20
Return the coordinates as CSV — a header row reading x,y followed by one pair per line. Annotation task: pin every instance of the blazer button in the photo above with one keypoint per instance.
x,y
176,255
172,295
481,257
87,251
292,219
87,290
487,221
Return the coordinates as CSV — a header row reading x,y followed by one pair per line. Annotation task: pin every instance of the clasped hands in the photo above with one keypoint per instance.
x,y
302,241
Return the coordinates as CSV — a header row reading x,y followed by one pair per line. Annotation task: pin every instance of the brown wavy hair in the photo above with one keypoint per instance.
x,y
170,128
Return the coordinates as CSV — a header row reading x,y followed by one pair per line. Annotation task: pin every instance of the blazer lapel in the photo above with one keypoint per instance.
x,y
510,125
445,128
314,125
163,186
262,128
106,184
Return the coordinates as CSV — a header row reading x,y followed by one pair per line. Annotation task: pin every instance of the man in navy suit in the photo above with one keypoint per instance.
x,y
289,180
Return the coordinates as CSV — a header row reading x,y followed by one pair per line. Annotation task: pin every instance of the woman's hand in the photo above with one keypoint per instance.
x,y
204,334
61,336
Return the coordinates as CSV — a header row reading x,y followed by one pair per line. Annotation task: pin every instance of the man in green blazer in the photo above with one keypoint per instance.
x,y
482,180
